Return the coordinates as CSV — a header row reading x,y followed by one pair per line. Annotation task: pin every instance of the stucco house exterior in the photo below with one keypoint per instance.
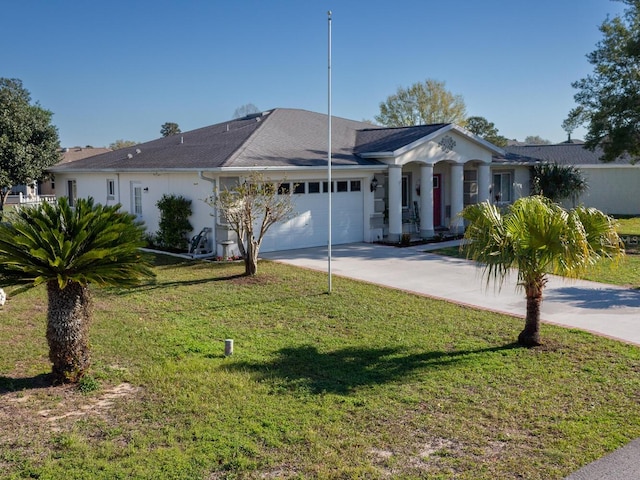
x,y
385,181
612,187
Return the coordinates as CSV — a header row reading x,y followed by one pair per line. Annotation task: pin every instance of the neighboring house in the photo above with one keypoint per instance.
x,y
612,187
385,181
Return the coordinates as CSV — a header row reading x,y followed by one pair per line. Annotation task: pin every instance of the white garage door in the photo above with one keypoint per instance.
x,y
310,226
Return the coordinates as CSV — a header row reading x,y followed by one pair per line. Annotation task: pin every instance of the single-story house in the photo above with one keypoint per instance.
x,y
69,154
386,182
612,187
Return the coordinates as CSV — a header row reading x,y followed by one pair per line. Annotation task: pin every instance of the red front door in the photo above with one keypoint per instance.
x,y
437,200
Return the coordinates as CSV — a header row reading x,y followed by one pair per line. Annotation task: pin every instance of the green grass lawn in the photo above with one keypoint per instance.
x,y
363,383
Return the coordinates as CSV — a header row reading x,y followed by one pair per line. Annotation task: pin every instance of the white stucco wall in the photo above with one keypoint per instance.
x,y
614,189
431,151
196,189
153,185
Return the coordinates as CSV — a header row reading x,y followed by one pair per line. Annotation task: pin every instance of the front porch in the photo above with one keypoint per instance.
x,y
427,200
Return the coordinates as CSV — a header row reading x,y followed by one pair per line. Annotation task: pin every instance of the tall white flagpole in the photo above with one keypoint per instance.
x,y
329,154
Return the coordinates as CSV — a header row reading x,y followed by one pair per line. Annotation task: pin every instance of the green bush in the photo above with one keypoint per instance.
x,y
175,211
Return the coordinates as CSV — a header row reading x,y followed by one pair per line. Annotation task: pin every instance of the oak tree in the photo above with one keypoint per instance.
x,y
29,142
487,130
422,103
609,98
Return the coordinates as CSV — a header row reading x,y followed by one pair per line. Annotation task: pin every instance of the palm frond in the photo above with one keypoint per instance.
x,y
90,243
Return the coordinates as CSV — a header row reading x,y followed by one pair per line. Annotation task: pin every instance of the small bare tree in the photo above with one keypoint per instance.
x,y
250,209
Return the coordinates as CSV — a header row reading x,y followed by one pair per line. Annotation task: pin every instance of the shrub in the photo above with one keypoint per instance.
x,y
175,211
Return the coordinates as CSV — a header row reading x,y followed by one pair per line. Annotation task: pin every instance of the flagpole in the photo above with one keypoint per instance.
x,y
329,153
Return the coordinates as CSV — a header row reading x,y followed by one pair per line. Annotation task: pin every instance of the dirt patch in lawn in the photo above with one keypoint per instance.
x,y
55,406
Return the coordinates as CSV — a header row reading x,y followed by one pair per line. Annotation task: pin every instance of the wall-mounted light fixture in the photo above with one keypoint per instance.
x,y
374,184
146,189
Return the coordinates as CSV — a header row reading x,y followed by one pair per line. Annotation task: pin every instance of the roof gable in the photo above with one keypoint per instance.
x,y
398,141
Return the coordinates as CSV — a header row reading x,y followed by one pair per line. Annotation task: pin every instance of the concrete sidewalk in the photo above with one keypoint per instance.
x,y
603,309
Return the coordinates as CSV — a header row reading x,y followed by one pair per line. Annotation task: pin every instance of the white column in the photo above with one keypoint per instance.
x,y
426,201
484,182
395,203
457,197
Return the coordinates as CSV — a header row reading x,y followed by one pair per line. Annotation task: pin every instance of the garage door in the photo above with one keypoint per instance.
x,y
310,226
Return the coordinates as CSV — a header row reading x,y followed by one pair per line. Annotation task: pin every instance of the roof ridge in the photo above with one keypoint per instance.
x,y
245,143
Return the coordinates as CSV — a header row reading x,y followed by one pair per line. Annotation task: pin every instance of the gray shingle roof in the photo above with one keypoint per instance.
x,y
207,147
562,154
298,138
277,138
390,139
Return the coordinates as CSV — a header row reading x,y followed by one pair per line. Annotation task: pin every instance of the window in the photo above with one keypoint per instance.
x,y
325,187
405,191
72,192
342,186
111,189
284,188
355,185
136,198
501,188
299,188
470,187
314,187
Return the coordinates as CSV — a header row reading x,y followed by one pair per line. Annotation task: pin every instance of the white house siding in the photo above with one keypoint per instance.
x,y
153,186
350,213
612,189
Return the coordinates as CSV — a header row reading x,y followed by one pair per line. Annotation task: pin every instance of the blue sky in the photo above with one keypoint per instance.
x,y
120,69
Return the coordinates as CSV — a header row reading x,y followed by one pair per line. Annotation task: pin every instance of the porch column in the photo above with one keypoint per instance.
x,y
484,182
426,201
457,197
395,203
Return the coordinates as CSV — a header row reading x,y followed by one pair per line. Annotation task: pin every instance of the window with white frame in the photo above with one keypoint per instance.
x,y
470,187
111,189
72,192
136,198
502,187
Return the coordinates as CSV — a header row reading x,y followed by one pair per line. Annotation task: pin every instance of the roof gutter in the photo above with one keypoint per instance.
x,y
218,169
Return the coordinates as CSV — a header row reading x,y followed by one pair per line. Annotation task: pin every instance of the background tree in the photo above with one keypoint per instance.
x,y
487,130
537,237
557,182
536,140
609,99
250,209
422,103
29,143
118,144
575,118
68,249
169,128
244,110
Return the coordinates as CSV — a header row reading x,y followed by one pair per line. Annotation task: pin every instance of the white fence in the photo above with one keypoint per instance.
x,y
21,199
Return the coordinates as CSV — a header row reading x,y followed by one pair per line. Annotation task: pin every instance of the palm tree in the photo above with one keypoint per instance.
x,y
536,237
558,182
67,249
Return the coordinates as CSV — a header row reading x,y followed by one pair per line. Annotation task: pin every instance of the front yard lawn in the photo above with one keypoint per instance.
x,y
364,383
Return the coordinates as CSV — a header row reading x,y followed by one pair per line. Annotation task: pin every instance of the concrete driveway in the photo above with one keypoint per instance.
x,y
599,308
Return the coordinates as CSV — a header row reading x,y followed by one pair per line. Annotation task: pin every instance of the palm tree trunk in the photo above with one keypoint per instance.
x,y
68,318
530,336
